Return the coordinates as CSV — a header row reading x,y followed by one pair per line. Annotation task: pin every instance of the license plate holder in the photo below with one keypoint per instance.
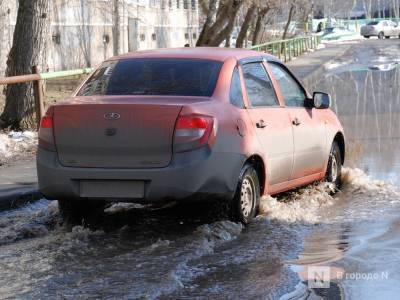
x,y
112,189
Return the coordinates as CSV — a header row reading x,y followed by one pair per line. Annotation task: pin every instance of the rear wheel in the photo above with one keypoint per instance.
x,y
77,211
334,170
381,35
246,201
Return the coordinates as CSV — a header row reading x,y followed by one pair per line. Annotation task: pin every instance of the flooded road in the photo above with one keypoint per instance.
x,y
180,252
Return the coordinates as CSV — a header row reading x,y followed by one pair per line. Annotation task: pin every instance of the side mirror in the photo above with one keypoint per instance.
x,y
321,100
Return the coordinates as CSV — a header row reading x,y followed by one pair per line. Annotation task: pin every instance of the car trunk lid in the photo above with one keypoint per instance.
x,y
109,134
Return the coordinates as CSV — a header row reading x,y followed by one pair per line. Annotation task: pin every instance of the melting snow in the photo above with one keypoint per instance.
x,y
14,144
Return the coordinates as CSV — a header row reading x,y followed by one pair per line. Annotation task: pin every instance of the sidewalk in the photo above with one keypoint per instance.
x,y
18,183
310,67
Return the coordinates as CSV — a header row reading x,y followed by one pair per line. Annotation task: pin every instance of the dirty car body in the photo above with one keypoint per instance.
x,y
181,124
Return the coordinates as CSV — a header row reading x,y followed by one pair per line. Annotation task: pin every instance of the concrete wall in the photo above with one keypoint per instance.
x,y
80,34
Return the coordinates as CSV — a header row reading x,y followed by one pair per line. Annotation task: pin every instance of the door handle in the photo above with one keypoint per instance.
x,y
261,124
296,122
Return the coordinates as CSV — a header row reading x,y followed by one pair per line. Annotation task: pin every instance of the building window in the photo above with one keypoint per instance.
x,y
185,4
106,38
193,4
170,4
162,4
56,38
154,37
178,3
142,37
194,36
186,36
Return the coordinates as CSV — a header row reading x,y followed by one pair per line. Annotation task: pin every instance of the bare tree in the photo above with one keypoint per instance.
x,y
367,4
245,25
220,20
116,27
85,31
24,53
289,19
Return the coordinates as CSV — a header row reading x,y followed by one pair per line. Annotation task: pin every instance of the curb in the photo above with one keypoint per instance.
x,y
18,196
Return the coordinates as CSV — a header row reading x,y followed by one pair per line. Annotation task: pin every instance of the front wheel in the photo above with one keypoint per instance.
x,y
246,201
334,170
381,35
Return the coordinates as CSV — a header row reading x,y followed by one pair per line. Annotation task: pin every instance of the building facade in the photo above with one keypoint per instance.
x,y
80,32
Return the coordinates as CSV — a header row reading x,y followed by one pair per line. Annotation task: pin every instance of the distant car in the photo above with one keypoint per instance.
x,y
381,29
205,124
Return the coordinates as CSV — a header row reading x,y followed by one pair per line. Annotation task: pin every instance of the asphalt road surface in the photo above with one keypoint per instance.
x,y
135,252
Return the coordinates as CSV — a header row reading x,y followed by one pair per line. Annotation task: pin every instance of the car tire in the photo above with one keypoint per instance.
x,y
77,211
245,203
334,170
387,37
381,35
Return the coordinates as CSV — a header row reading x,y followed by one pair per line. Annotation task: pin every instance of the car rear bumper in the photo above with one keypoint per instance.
x,y
191,175
369,32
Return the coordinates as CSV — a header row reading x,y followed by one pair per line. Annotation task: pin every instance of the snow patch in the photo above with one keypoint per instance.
x,y
14,144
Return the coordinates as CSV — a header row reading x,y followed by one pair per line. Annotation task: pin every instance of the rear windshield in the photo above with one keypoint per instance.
x,y
174,77
373,23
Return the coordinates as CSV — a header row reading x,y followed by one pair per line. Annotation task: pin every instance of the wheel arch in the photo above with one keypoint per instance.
x,y
339,139
258,163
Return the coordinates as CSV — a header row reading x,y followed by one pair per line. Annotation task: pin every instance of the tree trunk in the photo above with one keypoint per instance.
x,y
228,42
258,27
116,28
212,11
245,26
221,18
25,51
290,16
227,30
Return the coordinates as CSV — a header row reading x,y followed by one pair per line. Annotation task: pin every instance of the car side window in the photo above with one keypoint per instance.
x,y
235,94
292,92
260,90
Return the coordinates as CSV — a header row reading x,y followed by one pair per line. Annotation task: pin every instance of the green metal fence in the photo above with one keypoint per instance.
x,y
287,49
63,74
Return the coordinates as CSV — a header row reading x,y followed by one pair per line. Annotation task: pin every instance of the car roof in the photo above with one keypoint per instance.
x,y
209,53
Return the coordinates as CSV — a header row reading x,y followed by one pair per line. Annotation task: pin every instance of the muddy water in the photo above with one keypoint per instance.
x,y
178,252
359,238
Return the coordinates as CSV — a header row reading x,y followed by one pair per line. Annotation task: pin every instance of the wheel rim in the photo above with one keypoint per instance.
x,y
247,197
334,168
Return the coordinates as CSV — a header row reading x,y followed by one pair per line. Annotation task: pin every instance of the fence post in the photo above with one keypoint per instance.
x,y
38,95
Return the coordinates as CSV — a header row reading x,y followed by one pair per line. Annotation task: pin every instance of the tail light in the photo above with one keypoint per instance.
x,y
193,131
46,132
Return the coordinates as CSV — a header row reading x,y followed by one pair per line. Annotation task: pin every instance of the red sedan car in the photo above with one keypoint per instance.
x,y
187,124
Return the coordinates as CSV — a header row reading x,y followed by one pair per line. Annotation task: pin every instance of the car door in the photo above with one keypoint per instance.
x,y
394,29
309,132
270,121
386,29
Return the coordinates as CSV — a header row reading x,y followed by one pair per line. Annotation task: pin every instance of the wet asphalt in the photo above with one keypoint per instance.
x,y
183,251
